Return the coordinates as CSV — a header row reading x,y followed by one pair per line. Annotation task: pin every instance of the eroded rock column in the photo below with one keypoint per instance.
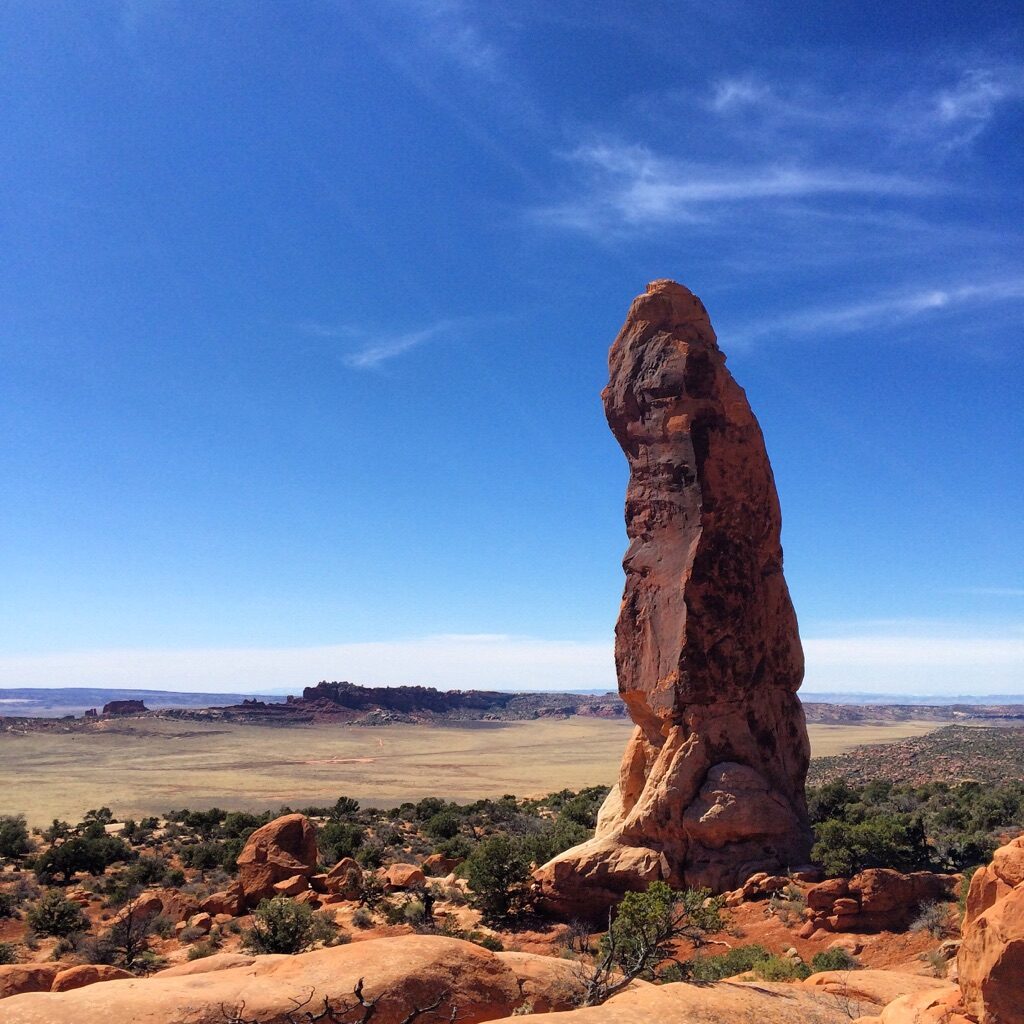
x,y
711,787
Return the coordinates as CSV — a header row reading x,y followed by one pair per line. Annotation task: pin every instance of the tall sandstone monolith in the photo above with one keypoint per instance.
x,y
711,787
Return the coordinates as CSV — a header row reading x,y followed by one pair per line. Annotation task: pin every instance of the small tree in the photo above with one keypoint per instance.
x,y
56,915
338,839
14,841
69,857
639,934
497,871
281,925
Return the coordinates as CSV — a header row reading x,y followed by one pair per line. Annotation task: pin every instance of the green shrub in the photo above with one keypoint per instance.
x,y
443,825
497,871
883,841
781,968
725,965
414,912
362,918
8,904
146,871
338,839
833,960
281,925
56,915
204,949
14,841
7,954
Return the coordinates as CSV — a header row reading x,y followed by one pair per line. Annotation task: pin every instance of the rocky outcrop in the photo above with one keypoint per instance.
x,y
991,957
711,787
87,974
403,973
278,851
18,978
125,707
878,899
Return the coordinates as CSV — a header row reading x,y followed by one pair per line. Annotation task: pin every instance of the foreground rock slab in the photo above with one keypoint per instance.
x,y
711,787
723,1003
404,972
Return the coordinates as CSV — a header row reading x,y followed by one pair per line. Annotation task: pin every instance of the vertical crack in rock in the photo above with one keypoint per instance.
x,y
711,786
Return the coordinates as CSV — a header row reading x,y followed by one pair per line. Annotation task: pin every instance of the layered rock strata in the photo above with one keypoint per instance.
x,y
711,787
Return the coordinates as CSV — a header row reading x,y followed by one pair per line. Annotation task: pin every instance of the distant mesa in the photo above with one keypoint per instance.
x,y
711,787
125,707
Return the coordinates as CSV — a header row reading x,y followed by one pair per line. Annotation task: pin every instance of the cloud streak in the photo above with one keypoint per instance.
x,y
371,350
380,350
630,186
892,309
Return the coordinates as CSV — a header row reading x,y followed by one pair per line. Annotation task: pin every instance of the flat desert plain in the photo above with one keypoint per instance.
x,y
148,766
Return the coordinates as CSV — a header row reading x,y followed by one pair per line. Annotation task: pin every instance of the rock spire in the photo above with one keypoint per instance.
x,y
711,786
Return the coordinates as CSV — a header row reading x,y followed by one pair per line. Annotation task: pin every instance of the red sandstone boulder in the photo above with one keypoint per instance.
x,y
711,786
280,849
18,978
201,922
345,879
882,890
177,906
87,974
991,957
143,908
437,865
291,886
404,876
823,895
230,901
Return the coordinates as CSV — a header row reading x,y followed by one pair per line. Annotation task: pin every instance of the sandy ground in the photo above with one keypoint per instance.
x,y
142,767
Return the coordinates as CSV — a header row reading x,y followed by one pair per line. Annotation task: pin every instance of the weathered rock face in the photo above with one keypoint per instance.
x,y
279,850
991,957
711,787
877,899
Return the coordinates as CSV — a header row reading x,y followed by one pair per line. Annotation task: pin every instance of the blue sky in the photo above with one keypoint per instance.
x,y
305,310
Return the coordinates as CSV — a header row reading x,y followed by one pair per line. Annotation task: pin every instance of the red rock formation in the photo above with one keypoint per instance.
x,y
87,974
991,956
711,787
279,850
877,899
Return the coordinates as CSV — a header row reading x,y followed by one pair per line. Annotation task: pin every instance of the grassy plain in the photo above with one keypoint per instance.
x,y
145,767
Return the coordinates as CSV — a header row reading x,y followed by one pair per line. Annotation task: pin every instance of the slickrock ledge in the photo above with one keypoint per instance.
x,y
711,787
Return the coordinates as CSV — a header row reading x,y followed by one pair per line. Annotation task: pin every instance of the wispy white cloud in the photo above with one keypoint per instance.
x,y
968,106
951,113
382,349
891,309
629,185
373,349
